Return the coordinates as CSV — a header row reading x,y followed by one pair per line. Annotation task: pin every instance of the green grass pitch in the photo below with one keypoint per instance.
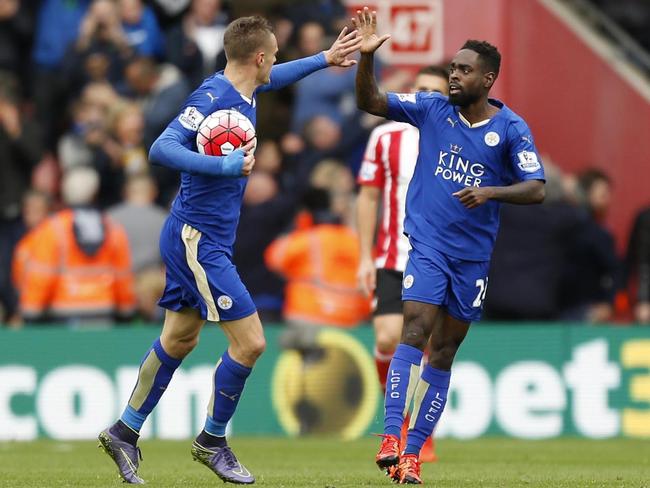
x,y
326,463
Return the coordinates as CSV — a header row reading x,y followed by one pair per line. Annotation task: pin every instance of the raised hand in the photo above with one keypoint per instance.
x,y
366,23
344,45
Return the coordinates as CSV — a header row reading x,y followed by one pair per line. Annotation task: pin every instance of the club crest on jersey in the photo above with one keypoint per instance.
x,y
528,161
191,118
406,97
408,281
491,139
224,302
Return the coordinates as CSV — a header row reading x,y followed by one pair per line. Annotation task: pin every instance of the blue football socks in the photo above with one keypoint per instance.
x,y
403,376
156,371
428,403
229,380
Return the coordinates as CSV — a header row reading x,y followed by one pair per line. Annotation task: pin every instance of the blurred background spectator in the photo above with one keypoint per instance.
x,y
76,265
638,262
195,45
20,150
142,220
592,272
319,261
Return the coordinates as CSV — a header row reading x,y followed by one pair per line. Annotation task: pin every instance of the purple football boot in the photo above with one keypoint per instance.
x,y
222,461
124,454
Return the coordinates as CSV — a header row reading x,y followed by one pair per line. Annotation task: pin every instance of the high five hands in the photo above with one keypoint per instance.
x,y
366,25
344,45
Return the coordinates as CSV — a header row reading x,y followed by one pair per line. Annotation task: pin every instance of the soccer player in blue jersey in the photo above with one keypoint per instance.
x,y
474,153
196,245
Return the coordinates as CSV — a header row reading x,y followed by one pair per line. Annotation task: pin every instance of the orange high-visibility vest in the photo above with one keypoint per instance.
x,y
320,264
56,278
20,258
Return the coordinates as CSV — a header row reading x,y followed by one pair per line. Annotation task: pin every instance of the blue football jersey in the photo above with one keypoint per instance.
x,y
452,155
210,204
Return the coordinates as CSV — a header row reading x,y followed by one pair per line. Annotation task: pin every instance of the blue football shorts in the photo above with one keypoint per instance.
x,y
200,275
457,285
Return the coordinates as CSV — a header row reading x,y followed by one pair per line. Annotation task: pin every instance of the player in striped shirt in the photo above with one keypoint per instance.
x,y
384,177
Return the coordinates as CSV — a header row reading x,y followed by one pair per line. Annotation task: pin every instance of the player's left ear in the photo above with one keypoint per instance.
x,y
259,58
488,79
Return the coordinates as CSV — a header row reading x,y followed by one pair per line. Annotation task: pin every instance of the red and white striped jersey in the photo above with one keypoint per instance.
x,y
388,164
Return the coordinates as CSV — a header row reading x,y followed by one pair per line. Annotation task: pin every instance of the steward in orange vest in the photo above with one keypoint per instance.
x,y
319,260
76,266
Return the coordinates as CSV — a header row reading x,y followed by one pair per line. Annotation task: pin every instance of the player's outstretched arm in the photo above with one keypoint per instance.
x,y
337,55
168,150
523,193
369,98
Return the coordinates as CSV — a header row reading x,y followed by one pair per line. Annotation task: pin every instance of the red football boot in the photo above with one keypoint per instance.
x,y
388,454
409,470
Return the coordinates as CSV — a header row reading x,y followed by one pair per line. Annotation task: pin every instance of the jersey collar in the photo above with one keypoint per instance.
x,y
492,101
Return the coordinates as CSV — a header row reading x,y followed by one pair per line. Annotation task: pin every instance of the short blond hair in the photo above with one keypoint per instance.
x,y
244,36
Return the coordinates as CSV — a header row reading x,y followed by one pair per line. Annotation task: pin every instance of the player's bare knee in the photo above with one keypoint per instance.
x,y
415,336
247,353
257,347
415,332
442,356
181,346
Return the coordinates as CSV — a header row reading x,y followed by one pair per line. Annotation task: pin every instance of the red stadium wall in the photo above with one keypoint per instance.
x,y
581,110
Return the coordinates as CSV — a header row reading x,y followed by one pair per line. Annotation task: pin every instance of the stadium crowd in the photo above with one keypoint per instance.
x,y
86,86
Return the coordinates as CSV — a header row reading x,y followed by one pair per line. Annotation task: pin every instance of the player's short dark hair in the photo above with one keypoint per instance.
x,y
244,35
434,71
487,53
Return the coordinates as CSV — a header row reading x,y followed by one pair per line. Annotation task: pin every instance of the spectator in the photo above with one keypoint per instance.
x,y
169,12
328,92
80,271
330,13
52,39
87,143
141,28
195,45
269,208
20,148
319,261
16,30
142,220
638,262
160,89
337,179
36,206
540,249
126,146
592,271
100,52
